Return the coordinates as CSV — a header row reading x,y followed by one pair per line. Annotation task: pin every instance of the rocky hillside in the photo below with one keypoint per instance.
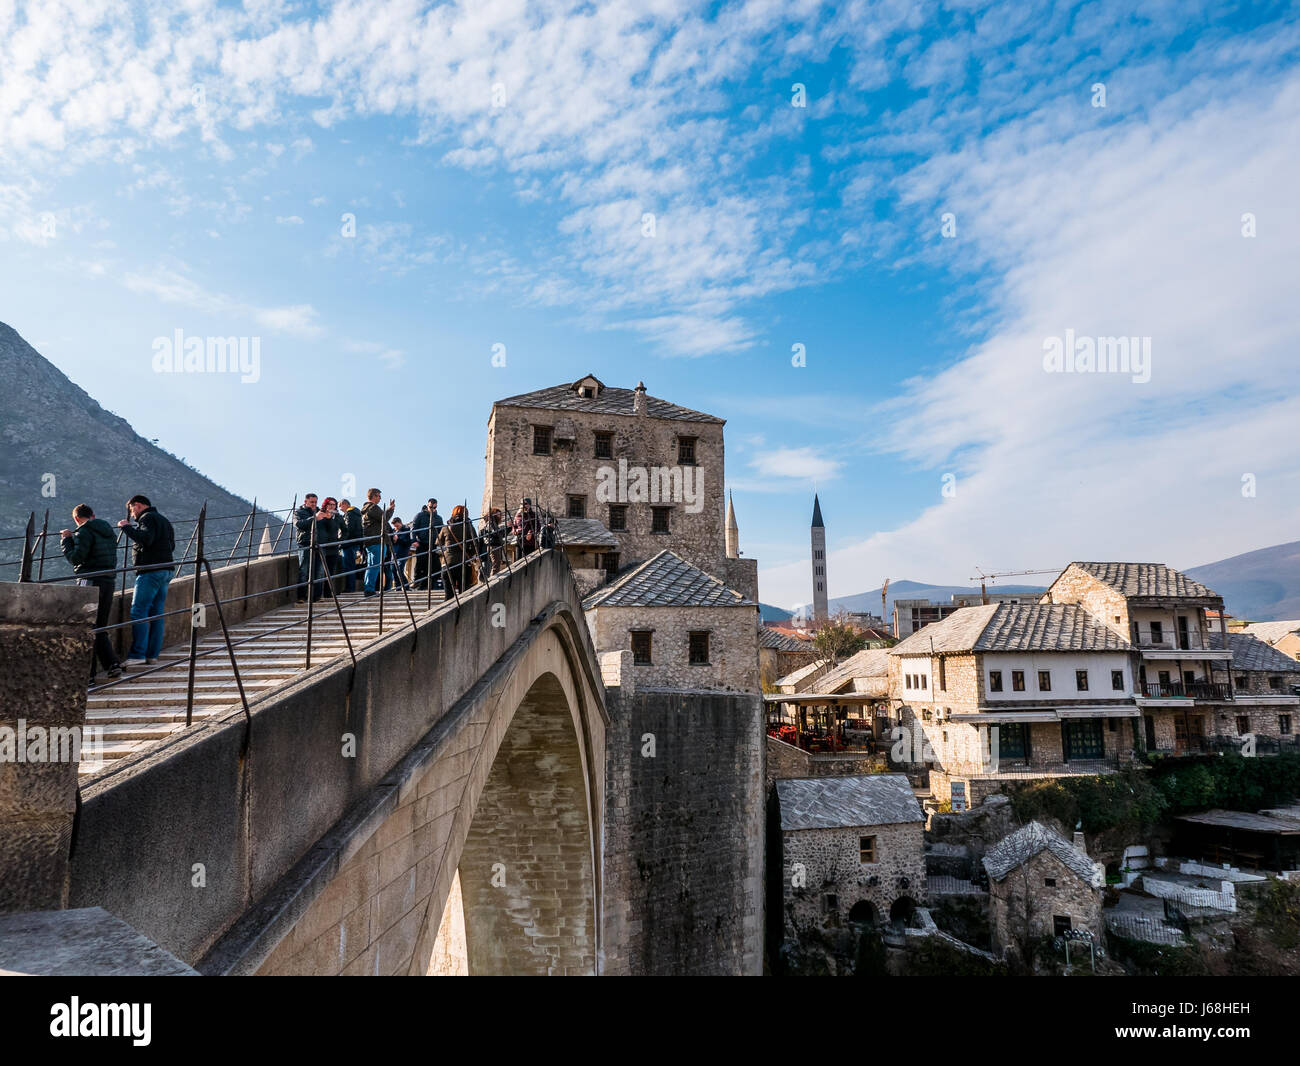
x,y
1262,586
53,433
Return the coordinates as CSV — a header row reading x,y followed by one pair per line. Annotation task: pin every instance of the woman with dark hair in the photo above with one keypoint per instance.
x,y
458,546
329,530
492,540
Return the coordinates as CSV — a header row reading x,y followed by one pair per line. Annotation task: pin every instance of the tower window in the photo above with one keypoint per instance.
x,y
699,649
686,451
541,440
641,646
577,507
659,519
618,516
604,445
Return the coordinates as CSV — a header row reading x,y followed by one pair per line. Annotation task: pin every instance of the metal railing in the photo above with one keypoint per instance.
x,y
1195,690
492,552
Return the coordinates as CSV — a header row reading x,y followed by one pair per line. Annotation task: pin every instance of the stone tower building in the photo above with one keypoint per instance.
x,y
821,610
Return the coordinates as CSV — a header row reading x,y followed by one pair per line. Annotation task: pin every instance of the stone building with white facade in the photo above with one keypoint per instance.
x,y
850,849
1186,685
1010,691
1041,885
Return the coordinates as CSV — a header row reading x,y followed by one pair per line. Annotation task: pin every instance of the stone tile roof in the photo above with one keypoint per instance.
x,y
870,662
1272,632
838,802
774,638
1251,653
667,580
611,401
1013,627
586,533
1154,580
796,677
1019,847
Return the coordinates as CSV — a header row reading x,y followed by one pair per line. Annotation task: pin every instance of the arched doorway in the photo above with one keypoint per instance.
x,y
526,881
900,912
864,913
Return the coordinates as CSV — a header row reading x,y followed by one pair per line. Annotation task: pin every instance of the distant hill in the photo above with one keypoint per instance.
x,y
774,614
1262,586
49,426
869,602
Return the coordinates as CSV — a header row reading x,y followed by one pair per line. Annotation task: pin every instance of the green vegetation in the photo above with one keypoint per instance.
x,y
932,957
1156,959
838,639
1229,781
1126,801
1279,914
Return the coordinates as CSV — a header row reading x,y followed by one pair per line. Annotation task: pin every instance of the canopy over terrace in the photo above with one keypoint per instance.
x,y
1253,840
823,721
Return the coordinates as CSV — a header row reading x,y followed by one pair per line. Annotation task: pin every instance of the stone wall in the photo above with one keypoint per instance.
x,y
1100,600
831,866
1022,905
513,471
684,833
733,645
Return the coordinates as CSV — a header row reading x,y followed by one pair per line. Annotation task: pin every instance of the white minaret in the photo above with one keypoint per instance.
x,y
733,531
821,610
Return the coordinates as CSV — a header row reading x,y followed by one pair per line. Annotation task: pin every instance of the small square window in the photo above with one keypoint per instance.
x,y
699,649
995,680
1284,724
1157,633
541,440
1117,680
609,563
577,507
659,521
604,445
618,517
1050,882
866,849
1081,680
1017,681
1061,924
641,647
832,903
1044,681
686,451
924,681
1243,724
1275,684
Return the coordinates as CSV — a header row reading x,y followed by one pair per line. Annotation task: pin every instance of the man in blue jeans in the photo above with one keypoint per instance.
x,y
155,542
374,527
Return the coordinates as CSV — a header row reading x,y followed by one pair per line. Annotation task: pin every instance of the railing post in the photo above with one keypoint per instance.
x,y
45,529
275,547
194,613
29,547
339,610
311,561
235,547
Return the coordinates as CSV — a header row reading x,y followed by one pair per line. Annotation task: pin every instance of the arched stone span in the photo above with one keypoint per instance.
x,y
512,774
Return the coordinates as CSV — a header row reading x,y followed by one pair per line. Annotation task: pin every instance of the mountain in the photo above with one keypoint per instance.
x,y
1262,586
869,602
59,448
774,614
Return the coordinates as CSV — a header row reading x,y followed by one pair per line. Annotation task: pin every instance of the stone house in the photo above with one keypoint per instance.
x,y
685,628
1265,690
648,471
850,849
1011,691
780,654
1041,885
1186,689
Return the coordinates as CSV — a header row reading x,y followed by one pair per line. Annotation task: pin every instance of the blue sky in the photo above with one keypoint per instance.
x,y
169,167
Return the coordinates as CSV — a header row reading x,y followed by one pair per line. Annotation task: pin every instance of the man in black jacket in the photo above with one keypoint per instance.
x,y
154,543
303,519
92,551
351,543
424,531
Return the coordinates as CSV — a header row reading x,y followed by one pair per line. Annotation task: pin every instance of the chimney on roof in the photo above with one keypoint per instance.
x,y
638,399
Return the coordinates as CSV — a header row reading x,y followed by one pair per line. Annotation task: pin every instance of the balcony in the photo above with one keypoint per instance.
x,y
1197,690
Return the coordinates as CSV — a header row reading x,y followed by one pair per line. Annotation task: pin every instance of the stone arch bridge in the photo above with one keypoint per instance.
x,y
435,807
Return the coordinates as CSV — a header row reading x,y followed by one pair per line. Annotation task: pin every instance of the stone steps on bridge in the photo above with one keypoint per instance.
x,y
148,705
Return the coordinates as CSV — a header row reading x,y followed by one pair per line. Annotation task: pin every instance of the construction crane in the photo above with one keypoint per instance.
x,y
982,577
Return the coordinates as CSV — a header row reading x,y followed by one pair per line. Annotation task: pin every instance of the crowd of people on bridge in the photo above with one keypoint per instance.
x,y
372,546
369,545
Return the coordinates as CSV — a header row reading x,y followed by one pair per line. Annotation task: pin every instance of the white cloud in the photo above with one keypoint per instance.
x,y
802,464
288,220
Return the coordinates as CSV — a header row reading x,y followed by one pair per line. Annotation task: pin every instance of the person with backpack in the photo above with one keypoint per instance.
x,y
155,541
424,529
92,551
458,546
550,533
